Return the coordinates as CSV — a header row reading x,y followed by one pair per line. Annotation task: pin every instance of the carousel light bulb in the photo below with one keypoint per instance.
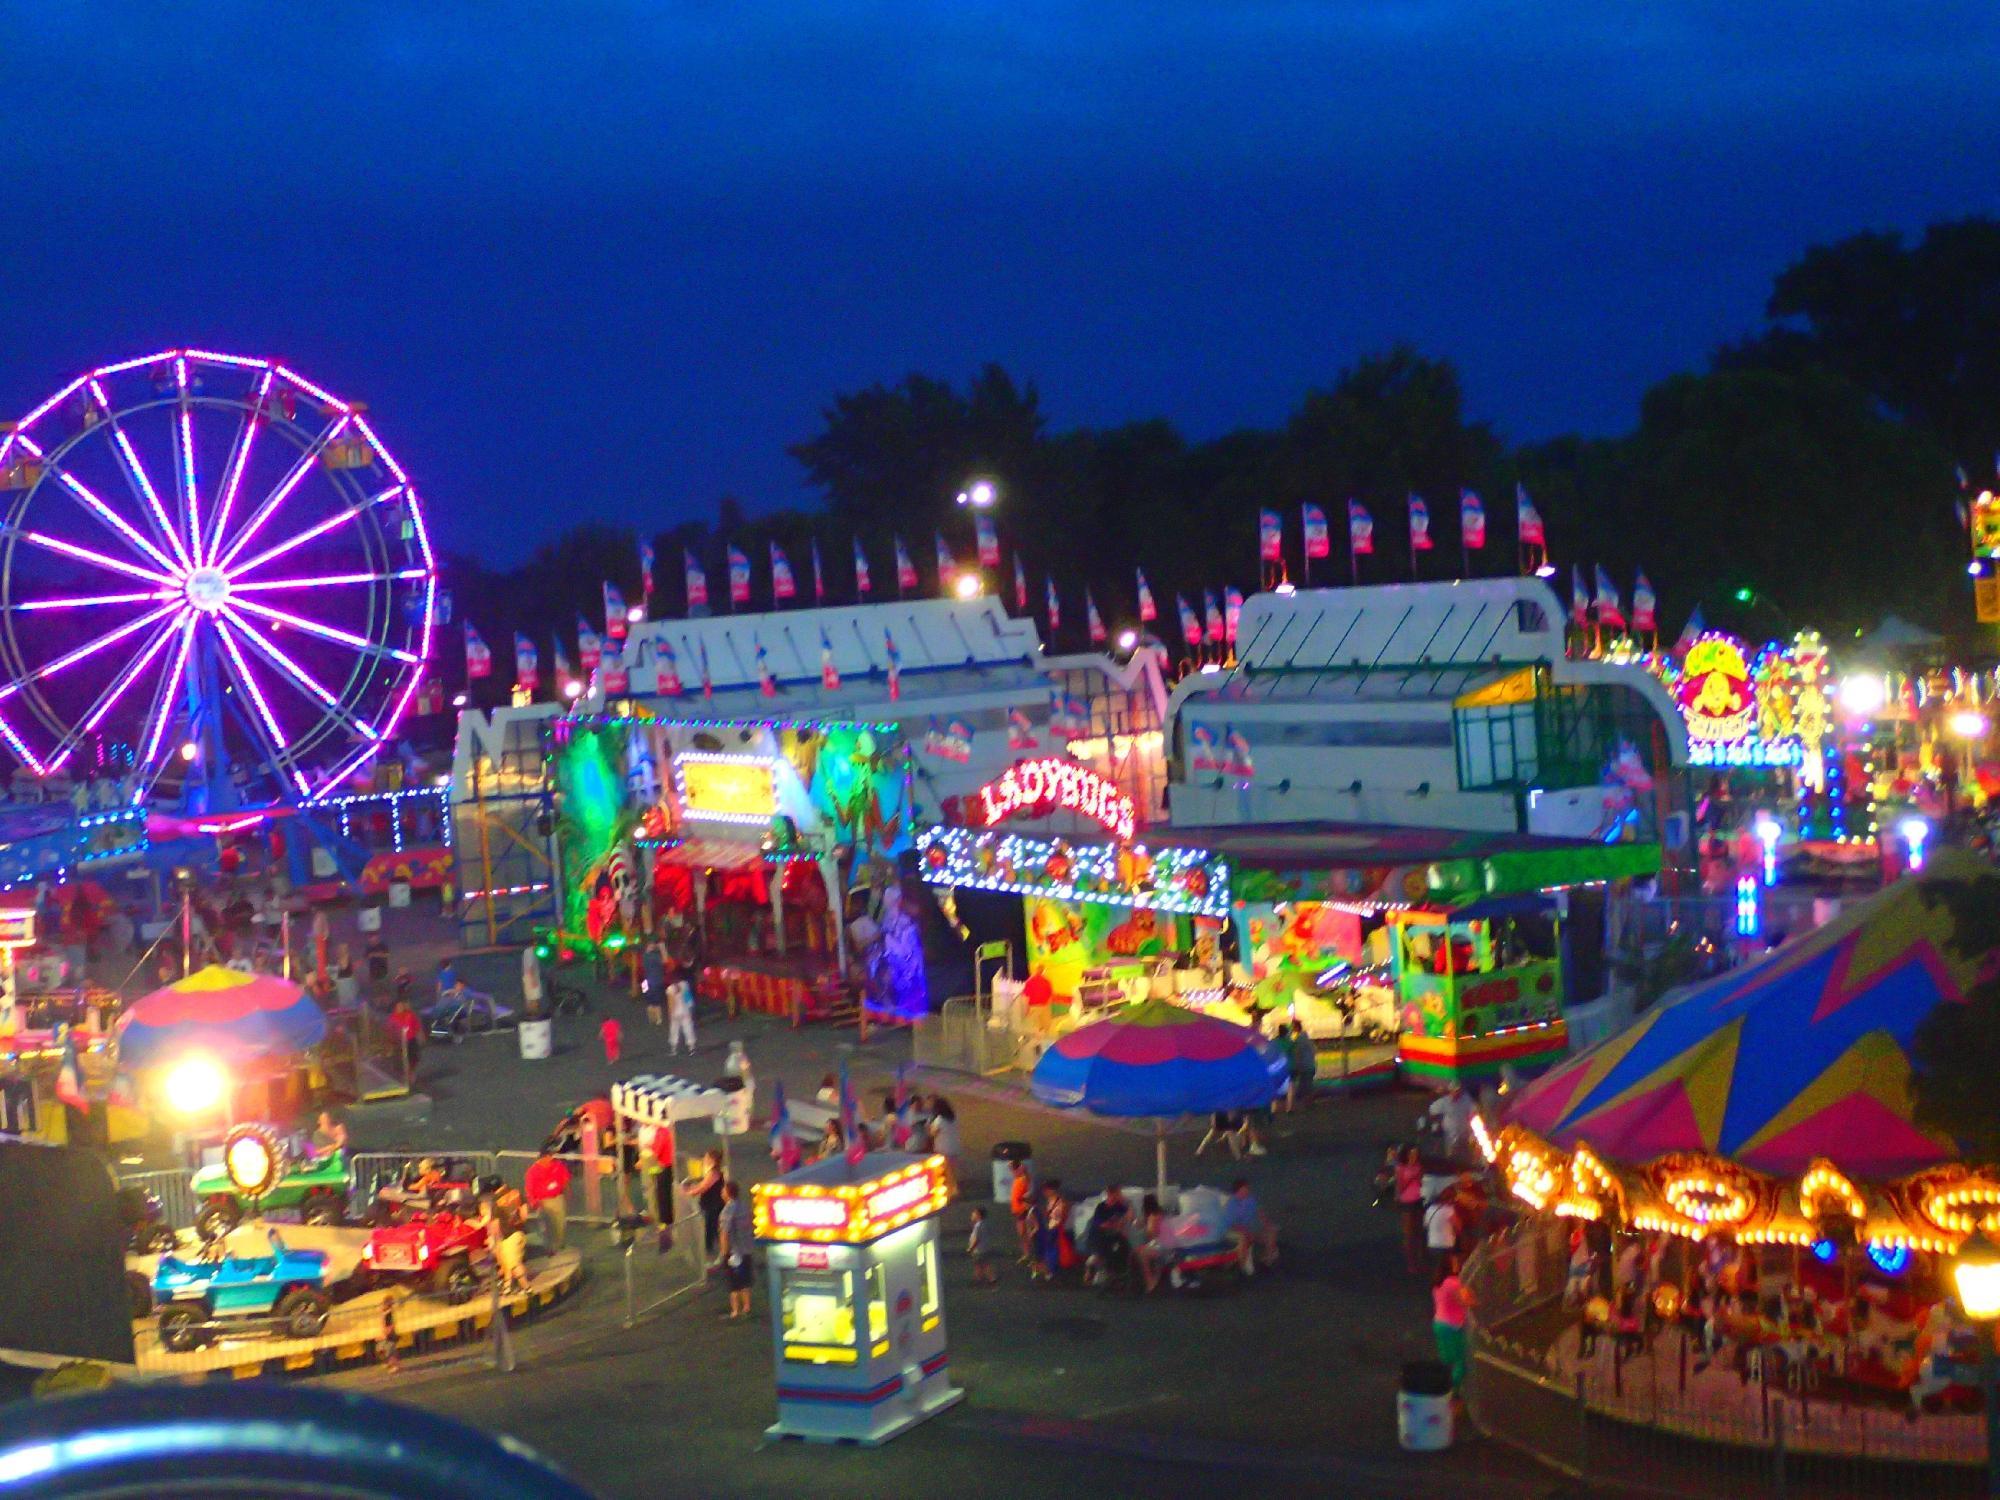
x,y
1864,693
1975,1271
188,750
1127,639
635,614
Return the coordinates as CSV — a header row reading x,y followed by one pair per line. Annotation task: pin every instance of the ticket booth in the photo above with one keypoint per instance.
x,y
857,1304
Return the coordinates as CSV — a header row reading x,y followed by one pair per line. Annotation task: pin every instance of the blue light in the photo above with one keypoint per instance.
x,y
1825,1251
1890,1260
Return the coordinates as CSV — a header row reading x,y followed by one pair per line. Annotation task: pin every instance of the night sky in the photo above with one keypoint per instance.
x,y
610,258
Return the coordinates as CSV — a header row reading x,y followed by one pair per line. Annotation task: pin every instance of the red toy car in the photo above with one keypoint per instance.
x,y
441,1248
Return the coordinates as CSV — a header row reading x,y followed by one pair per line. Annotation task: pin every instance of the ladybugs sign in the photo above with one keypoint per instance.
x,y
1036,788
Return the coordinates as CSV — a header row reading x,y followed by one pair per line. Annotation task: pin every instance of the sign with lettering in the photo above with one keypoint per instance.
x,y
1036,788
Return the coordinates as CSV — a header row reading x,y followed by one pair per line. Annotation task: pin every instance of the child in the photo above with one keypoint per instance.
x,y
613,1036
983,1273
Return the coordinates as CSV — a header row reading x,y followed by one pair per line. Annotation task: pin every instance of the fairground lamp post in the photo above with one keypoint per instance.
x,y
1976,1273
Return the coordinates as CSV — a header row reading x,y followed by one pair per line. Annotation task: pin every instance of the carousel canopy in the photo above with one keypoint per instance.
x,y
233,1016
1802,1057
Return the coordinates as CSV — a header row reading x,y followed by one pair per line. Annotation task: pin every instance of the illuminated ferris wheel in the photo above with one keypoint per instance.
x,y
212,575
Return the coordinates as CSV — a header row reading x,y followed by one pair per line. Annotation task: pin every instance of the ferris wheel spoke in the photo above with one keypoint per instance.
x,y
276,744
85,554
88,649
87,600
96,506
162,711
136,478
278,496
327,581
310,685
239,459
108,699
326,632
299,539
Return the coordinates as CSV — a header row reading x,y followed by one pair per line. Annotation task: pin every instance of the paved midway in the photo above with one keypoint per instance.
x,y
1281,1387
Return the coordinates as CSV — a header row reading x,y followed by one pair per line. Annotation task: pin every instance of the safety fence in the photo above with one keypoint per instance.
x,y
965,1036
173,1189
1627,1411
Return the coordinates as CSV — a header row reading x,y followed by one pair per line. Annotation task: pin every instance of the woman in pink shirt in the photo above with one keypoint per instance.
x,y
1410,1204
1451,1305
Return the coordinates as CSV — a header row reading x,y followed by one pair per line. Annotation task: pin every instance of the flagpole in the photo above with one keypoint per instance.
x,y
1353,557
1306,563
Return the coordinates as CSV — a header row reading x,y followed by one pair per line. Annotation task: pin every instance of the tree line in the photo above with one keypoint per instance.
x,y
1807,476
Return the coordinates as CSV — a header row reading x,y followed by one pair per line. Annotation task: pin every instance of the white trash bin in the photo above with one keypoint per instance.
x,y
536,1039
1423,1423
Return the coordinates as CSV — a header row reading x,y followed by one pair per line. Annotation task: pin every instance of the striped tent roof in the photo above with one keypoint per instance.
x,y
1803,1055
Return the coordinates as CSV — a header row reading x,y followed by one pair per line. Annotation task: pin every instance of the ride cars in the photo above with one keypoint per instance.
x,y
441,1249
259,1173
202,1297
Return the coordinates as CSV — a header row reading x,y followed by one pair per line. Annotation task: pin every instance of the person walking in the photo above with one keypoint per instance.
x,y
546,1188
680,1012
1441,1229
736,1245
1409,1189
612,1034
531,982
1451,1307
1305,1065
1282,1045
945,1140
1021,1202
653,980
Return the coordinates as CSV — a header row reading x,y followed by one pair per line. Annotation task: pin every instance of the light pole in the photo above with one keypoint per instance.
x,y
1976,1272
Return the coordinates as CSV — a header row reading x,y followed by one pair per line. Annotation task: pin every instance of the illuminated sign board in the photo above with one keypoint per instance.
x,y
1714,693
1985,523
850,1213
1036,788
727,788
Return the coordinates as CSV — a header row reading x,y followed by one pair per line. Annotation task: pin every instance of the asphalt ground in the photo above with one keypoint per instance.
x,y
1281,1386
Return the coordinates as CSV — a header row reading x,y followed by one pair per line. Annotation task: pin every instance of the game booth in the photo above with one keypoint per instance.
x,y
755,845
1441,953
857,1304
1743,1179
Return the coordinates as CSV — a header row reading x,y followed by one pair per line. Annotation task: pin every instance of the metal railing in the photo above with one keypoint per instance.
x,y
1625,1412
173,1188
368,1172
962,1038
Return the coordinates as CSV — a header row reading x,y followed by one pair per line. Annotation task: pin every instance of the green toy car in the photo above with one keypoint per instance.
x,y
257,1174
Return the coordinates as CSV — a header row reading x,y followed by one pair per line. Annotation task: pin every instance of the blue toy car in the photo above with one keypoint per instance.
x,y
195,1296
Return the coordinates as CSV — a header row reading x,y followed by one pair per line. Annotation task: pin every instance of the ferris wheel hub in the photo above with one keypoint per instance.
x,y
207,589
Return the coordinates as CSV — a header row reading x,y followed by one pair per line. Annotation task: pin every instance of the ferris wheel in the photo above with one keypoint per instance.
x,y
213,577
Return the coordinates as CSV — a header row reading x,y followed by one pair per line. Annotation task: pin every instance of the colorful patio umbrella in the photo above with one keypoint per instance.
x,y
1803,1056
232,1016
1159,1060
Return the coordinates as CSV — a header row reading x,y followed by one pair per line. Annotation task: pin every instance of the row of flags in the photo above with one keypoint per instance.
x,y
1318,535
1606,610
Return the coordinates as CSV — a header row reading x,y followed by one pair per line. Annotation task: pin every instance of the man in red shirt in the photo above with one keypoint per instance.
x,y
408,1029
545,1187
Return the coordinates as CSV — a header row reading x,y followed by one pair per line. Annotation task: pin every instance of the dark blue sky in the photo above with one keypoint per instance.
x,y
610,258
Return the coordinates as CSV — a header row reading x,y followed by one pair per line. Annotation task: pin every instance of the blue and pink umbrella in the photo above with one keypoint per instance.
x,y
231,1016
1159,1060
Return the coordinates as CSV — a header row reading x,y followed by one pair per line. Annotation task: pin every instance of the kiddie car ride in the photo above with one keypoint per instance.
x,y
197,1297
258,1174
429,1183
440,1248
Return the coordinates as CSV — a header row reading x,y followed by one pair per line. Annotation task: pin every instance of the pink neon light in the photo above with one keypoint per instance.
x,y
163,709
119,687
139,475
52,403
20,747
380,452
298,673
306,385
320,530
227,359
88,599
237,463
56,544
314,627
91,648
278,496
132,364
329,580
257,697
346,769
103,511
187,476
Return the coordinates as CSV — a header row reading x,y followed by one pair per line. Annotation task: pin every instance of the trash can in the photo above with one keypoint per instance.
x,y
1423,1407
1004,1156
535,1038
735,1116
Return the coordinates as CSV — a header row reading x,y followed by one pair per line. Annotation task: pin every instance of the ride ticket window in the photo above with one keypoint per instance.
x,y
818,1316
927,1272
878,1308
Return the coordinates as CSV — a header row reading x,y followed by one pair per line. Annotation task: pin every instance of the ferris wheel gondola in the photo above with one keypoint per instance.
x,y
213,575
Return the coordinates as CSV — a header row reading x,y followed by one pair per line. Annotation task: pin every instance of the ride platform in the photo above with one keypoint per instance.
x,y
353,1333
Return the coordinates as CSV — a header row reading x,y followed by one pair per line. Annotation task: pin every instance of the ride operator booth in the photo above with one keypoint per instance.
x,y
857,1307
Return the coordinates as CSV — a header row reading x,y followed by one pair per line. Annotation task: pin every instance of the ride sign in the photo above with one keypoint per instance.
x,y
1714,693
1036,788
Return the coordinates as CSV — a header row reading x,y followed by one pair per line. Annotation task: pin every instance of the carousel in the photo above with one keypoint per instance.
x,y
1750,1163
